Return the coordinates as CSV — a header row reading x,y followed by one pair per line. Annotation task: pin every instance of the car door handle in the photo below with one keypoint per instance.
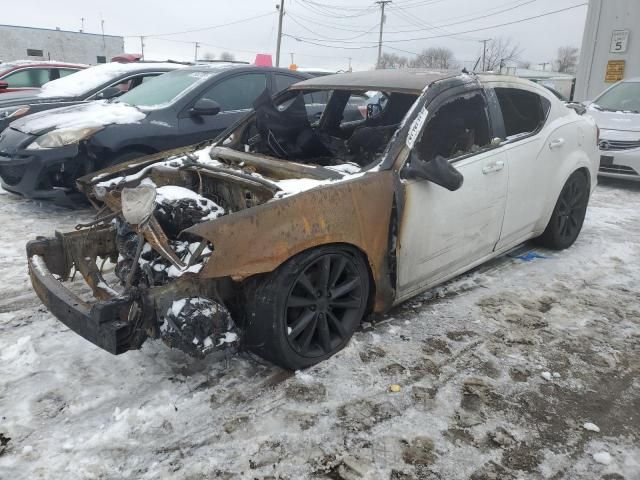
x,y
557,143
493,167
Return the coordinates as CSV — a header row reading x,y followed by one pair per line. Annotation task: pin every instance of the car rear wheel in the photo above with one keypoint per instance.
x,y
568,215
307,310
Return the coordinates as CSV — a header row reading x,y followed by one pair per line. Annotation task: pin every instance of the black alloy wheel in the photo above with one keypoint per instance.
x,y
324,304
568,215
308,309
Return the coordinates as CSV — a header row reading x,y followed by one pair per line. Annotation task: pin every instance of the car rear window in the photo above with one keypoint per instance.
x,y
523,112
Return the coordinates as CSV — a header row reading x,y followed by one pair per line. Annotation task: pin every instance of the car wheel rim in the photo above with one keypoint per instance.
x,y
324,305
571,207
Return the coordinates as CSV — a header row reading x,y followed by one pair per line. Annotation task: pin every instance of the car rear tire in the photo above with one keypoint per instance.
x,y
568,215
307,310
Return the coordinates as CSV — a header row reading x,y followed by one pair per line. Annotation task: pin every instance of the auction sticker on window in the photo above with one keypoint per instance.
x,y
416,127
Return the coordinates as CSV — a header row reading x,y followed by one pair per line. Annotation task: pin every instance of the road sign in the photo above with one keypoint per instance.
x,y
619,41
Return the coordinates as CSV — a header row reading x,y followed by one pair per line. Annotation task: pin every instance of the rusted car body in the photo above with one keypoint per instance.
x,y
253,219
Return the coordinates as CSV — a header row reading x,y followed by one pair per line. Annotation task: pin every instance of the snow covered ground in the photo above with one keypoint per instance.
x,y
528,367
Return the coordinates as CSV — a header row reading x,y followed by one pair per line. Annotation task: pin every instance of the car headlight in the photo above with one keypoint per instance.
x,y
10,113
138,203
64,136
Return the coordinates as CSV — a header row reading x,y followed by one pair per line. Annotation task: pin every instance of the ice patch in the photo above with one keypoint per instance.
x,y
591,426
602,457
229,337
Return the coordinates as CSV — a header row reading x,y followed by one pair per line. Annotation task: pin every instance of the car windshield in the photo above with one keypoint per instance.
x,y
163,90
624,96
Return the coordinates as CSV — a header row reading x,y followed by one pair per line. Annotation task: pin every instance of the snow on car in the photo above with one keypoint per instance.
x,y
450,172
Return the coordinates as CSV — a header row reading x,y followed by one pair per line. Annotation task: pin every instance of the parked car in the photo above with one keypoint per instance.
x,y
95,83
28,75
617,114
42,155
284,234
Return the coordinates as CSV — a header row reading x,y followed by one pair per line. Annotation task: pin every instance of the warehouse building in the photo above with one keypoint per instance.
x,y
610,46
26,43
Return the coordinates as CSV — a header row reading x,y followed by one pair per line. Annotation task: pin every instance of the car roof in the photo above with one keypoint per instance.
x,y
219,67
406,80
31,63
402,81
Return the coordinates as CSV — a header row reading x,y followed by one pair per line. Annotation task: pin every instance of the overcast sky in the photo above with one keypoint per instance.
x,y
323,22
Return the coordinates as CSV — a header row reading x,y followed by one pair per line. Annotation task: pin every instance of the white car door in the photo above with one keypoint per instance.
x,y
535,147
441,232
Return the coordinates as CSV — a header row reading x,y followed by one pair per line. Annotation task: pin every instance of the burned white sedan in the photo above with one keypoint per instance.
x,y
298,222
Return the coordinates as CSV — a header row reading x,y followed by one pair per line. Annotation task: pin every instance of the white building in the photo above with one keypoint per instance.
x,y
610,46
26,43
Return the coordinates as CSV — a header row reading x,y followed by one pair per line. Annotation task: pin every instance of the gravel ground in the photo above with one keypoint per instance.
x,y
528,367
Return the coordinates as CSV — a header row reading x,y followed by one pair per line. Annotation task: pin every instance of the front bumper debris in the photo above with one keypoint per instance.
x,y
103,323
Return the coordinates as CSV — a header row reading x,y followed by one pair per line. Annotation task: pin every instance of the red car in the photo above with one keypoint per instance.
x,y
24,75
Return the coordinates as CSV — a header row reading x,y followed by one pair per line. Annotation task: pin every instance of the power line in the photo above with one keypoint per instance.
x,y
453,33
211,27
297,22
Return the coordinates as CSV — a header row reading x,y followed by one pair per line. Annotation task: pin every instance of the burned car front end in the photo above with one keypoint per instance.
x,y
147,257
141,244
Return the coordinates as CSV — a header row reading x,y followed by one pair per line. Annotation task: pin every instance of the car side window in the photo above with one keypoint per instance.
x,y
237,92
284,81
29,77
457,128
63,72
523,112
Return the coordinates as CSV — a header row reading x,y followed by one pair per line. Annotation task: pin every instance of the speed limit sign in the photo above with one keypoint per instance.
x,y
619,41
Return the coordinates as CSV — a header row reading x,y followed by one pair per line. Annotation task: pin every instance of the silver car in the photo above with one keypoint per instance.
x,y
617,114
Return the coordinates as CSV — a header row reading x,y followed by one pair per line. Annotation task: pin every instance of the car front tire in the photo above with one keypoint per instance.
x,y
308,309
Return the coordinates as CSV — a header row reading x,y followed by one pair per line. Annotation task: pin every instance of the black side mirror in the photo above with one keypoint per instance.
x,y
110,92
579,108
205,106
373,110
438,171
3,85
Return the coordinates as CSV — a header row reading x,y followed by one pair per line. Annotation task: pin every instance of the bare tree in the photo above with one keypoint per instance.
x,y
524,64
435,57
392,60
567,59
500,51
208,56
227,57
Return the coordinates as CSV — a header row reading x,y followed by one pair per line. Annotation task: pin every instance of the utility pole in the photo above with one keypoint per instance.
x,y
142,46
82,27
484,52
292,62
195,55
349,63
382,4
544,65
281,14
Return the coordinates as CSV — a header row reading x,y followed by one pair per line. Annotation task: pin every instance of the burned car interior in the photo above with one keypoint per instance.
x,y
457,128
287,129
